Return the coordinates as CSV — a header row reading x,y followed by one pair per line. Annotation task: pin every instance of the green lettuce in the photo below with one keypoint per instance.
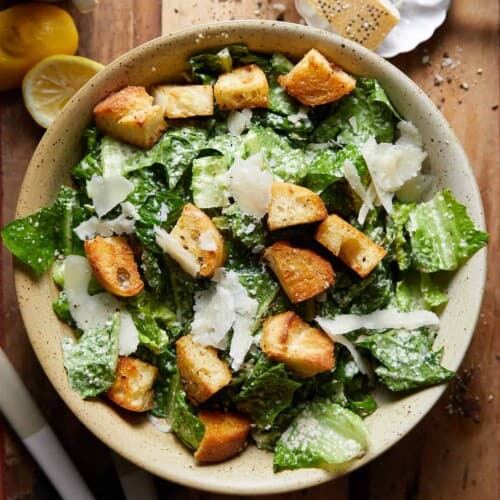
x,y
91,361
210,182
406,359
90,164
284,161
266,392
365,112
38,238
243,227
418,291
442,234
398,235
324,434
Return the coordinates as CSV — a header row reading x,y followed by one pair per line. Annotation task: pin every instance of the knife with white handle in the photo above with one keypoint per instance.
x,y
26,419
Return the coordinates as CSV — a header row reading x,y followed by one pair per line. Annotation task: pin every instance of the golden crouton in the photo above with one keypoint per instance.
x,y
202,372
304,349
225,435
129,115
301,272
244,87
350,245
197,234
113,265
133,387
291,205
183,101
314,80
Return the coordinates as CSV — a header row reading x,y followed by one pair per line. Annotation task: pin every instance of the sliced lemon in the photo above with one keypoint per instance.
x,y
51,83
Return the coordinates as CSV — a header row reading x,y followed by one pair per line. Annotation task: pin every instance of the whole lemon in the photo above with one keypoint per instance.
x,y
29,33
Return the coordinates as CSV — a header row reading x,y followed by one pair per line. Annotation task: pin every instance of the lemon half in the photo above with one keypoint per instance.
x,y
51,83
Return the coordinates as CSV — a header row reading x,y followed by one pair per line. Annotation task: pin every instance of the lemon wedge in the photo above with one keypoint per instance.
x,y
51,83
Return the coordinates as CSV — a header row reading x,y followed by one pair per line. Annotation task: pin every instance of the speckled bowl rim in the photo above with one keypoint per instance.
x,y
134,437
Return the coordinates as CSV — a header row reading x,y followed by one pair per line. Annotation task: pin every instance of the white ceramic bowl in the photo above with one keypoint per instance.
x,y
163,59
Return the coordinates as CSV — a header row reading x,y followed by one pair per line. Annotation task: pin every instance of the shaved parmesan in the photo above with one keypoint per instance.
x,y
107,192
128,339
94,311
377,320
358,359
250,185
173,248
371,198
123,224
391,165
238,121
224,306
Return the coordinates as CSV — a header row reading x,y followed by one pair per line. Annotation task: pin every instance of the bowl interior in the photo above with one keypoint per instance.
x,y
163,60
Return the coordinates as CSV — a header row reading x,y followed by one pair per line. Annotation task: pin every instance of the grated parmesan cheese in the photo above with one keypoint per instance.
x,y
207,242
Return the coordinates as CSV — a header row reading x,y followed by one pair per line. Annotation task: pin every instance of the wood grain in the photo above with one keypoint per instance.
x,y
448,456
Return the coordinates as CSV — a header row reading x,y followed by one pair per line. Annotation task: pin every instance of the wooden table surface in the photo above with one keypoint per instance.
x,y
454,452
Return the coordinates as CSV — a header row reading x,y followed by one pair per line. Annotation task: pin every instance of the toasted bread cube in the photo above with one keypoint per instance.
x,y
184,101
302,273
133,387
202,372
197,234
291,205
314,80
304,349
225,435
350,245
113,264
244,87
129,115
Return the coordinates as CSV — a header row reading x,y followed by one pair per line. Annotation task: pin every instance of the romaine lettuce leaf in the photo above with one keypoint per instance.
x,y
210,182
418,291
325,167
243,227
90,164
442,234
365,112
324,434
284,161
37,238
91,361
266,392
185,424
406,359
61,308
397,234
33,239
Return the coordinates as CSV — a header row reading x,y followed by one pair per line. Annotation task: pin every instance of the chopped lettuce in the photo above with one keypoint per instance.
x,y
266,392
324,434
364,113
90,164
243,227
37,238
419,291
61,308
442,234
398,235
406,359
284,161
91,361
210,182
